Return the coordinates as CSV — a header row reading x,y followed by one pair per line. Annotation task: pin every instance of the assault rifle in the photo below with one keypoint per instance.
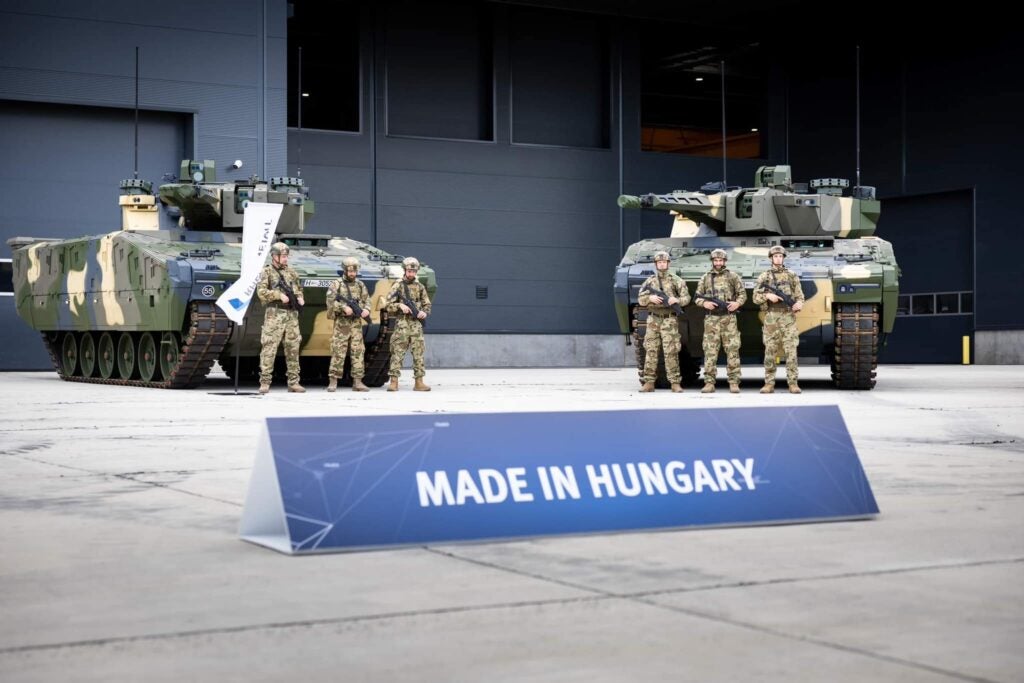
x,y
293,301
721,307
402,295
786,298
676,308
351,302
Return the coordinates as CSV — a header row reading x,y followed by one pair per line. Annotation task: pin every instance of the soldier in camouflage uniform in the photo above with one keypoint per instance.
x,y
720,324
779,327
662,326
409,329
281,320
349,315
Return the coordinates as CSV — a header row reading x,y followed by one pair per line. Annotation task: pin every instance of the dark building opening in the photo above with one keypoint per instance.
x,y
328,34
681,99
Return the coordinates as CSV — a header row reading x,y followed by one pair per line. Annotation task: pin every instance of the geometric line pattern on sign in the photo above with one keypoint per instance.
x,y
310,515
377,481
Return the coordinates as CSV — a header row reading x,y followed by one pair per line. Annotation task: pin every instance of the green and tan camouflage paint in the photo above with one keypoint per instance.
x,y
849,265
138,279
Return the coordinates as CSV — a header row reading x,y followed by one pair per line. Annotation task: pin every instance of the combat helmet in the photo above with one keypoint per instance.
x,y
278,248
349,262
719,253
411,262
777,249
661,256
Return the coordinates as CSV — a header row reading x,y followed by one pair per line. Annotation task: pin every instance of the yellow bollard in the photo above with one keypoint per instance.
x,y
967,350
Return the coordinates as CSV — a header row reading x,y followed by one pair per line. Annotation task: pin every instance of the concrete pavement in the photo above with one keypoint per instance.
x,y
120,559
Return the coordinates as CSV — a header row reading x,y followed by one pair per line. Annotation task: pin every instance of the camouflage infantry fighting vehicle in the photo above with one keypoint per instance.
x,y
136,306
849,276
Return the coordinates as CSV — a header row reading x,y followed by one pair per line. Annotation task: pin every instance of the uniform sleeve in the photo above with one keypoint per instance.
x,y
798,291
264,290
684,292
364,296
424,300
702,290
392,302
332,295
759,297
296,284
741,292
645,296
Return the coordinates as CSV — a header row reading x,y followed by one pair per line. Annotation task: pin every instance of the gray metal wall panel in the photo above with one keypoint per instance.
x,y
82,46
337,184
559,78
342,220
927,339
558,318
494,158
499,229
84,54
932,237
64,163
495,191
327,149
438,71
553,264
21,347
223,16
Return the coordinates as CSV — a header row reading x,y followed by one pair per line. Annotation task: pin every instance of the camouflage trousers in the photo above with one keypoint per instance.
x,y
280,324
662,333
721,331
408,335
347,339
780,339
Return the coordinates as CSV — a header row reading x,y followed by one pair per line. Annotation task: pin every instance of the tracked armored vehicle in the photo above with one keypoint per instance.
x,y
848,275
137,306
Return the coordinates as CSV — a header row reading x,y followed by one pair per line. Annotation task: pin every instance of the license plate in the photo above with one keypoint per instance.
x,y
317,283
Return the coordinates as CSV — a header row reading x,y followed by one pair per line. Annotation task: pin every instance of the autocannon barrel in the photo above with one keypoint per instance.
x,y
628,201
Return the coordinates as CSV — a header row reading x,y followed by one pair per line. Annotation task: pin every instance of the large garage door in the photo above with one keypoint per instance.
x,y
933,237
60,166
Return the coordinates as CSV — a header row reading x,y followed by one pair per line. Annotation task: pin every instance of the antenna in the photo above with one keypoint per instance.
x,y
298,159
857,107
725,177
136,171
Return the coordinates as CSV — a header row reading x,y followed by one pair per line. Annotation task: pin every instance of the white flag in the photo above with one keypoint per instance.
x,y
258,226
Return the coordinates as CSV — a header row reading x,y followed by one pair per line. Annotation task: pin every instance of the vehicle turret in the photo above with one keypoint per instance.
x,y
773,206
205,204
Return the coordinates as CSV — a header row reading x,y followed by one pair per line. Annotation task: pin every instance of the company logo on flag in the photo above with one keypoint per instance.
x,y
258,227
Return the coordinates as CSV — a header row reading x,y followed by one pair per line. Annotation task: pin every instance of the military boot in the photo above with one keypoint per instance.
x,y
296,388
709,388
768,388
734,387
794,389
264,388
357,384
677,388
647,387
332,384
394,384
420,386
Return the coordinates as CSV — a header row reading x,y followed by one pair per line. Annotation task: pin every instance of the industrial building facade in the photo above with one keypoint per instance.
x,y
490,140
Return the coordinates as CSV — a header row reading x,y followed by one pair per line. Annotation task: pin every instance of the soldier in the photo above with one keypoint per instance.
x,y
281,319
409,329
348,305
779,331
662,327
720,324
